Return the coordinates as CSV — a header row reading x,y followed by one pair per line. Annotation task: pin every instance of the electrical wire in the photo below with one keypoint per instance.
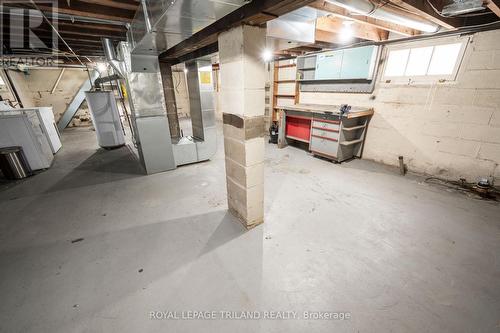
x,y
435,9
57,32
177,85
475,14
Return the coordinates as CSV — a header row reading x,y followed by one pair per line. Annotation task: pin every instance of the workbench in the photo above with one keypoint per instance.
x,y
327,132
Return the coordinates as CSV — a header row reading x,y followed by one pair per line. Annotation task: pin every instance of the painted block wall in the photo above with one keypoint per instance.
x,y
447,129
34,90
181,93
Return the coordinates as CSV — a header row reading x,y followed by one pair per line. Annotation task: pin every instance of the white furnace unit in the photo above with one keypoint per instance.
x,y
106,118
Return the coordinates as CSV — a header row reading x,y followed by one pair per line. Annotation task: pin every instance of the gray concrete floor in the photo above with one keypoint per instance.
x,y
399,255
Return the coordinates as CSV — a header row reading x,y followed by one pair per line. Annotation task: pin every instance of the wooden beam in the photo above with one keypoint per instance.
x,y
335,24
345,14
92,26
494,6
423,9
255,12
80,8
74,32
123,4
81,34
328,37
95,28
43,35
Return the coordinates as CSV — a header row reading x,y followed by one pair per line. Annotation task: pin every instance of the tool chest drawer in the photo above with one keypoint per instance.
x,y
325,132
324,145
332,125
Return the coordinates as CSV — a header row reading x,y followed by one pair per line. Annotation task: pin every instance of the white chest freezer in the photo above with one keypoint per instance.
x,y
47,121
44,118
18,128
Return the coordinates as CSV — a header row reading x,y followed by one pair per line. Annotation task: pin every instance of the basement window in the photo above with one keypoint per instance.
x,y
424,62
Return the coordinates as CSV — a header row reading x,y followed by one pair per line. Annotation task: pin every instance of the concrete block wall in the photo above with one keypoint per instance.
x,y
35,86
181,93
449,129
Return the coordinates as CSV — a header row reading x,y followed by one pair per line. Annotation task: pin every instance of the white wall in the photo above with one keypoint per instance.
x,y
446,129
34,90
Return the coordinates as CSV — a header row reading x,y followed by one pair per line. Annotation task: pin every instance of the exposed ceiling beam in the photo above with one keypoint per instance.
x,y
255,12
43,35
494,6
422,8
329,39
70,31
345,14
80,8
123,4
92,26
335,24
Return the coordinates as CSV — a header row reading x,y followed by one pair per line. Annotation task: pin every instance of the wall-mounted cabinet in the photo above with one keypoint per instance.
x,y
341,70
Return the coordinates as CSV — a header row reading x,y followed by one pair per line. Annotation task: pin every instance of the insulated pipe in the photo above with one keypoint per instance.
x,y
386,14
105,79
109,52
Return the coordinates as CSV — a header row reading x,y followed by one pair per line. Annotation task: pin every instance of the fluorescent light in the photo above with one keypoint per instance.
x,y
185,70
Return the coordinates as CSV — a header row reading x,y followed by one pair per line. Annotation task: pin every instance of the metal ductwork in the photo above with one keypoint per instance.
x,y
386,13
292,29
158,24
109,52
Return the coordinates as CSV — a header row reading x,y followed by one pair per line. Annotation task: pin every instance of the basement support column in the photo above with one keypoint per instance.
x,y
242,96
171,105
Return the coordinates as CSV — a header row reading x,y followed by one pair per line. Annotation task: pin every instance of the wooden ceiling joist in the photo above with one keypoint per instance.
x,y
82,35
359,30
494,6
92,10
343,13
91,26
425,10
122,4
329,39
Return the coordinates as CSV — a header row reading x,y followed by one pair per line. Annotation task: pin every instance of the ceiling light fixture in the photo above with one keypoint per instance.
x,y
267,55
102,67
347,32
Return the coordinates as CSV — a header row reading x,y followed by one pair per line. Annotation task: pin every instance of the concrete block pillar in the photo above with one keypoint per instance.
x,y
242,100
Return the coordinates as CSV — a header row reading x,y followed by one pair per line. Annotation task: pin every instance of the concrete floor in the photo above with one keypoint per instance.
x,y
399,255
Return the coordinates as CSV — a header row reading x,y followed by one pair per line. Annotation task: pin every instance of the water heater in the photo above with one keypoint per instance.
x,y
106,118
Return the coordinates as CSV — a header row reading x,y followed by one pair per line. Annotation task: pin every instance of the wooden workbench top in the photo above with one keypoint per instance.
x,y
327,109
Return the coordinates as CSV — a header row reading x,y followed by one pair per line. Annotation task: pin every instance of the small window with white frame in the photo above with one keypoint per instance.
x,y
428,61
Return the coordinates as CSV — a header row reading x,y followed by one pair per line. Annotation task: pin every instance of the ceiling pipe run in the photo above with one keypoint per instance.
x,y
386,14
